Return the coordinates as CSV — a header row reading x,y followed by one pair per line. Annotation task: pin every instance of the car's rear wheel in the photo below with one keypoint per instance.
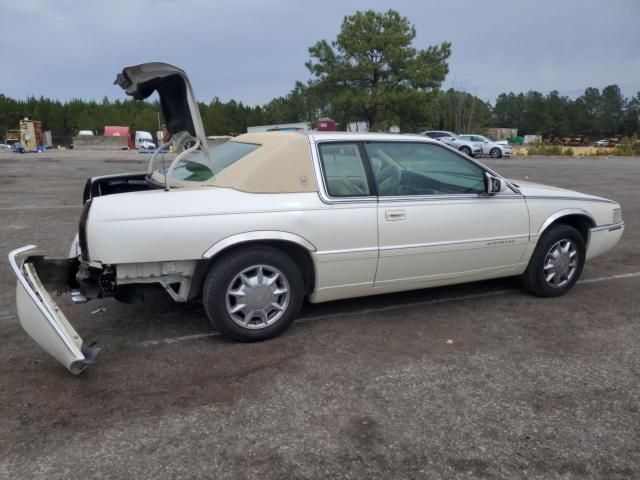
x,y
466,150
495,153
556,263
253,294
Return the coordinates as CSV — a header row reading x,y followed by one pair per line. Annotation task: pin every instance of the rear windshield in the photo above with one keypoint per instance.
x,y
195,168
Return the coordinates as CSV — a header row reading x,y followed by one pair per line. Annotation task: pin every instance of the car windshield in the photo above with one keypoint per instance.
x,y
195,168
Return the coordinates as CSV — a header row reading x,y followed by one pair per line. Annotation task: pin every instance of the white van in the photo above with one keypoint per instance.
x,y
144,140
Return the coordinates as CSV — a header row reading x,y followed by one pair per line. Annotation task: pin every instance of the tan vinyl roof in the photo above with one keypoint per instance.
x,y
281,165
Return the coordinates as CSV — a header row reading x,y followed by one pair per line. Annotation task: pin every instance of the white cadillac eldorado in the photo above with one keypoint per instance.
x,y
254,226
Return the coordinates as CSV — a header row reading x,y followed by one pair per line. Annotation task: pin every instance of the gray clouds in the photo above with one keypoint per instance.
x,y
254,50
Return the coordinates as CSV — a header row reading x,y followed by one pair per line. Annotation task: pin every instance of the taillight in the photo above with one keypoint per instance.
x,y
82,231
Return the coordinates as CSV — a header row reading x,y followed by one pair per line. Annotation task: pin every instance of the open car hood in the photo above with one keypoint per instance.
x,y
178,103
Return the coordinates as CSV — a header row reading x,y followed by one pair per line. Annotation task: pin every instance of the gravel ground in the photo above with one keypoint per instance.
x,y
473,381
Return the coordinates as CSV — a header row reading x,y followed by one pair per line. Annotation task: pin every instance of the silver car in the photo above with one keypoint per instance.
x,y
489,147
465,146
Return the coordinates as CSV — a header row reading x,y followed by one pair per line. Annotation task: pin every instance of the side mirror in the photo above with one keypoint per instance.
x,y
493,184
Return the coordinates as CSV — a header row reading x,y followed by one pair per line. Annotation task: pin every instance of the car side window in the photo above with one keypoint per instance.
x,y
404,168
343,170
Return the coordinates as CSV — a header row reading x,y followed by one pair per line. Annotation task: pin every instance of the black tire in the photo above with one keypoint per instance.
x,y
466,150
495,152
534,280
224,271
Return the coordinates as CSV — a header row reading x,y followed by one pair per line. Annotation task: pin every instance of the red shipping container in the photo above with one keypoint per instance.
x,y
112,131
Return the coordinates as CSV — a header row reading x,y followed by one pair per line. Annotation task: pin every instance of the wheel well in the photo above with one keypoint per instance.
x,y
581,223
298,254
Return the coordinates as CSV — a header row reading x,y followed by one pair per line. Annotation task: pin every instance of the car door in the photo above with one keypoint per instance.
x,y
347,228
484,144
436,224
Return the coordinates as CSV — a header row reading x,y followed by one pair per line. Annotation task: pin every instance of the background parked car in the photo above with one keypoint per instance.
x,y
489,147
469,148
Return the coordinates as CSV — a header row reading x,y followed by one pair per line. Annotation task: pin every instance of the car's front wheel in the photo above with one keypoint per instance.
x,y
495,153
253,294
466,150
556,263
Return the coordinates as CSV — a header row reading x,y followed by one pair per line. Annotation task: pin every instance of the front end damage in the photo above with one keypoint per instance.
x,y
41,317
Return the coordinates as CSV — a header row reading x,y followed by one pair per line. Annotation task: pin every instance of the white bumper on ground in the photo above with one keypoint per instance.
x,y
43,320
603,239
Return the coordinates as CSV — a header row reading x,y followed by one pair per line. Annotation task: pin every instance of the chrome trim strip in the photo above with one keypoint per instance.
x,y
614,226
564,213
323,192
422,245
456,242
326,198
580,199
347,250
73,348
438,198
258,235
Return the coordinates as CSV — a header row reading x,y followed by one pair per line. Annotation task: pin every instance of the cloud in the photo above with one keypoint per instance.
x,y
253,50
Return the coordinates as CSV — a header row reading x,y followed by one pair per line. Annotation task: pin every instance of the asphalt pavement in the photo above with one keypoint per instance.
x,y
472,381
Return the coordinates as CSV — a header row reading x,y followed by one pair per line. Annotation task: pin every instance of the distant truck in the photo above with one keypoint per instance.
x,y
144,140
118,131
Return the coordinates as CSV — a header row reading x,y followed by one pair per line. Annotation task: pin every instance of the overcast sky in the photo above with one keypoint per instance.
x,y
253,50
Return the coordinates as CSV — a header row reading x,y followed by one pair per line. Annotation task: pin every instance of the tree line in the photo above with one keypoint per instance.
x,y
371,72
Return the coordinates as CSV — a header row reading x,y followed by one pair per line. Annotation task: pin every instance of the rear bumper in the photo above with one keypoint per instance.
x,y
603,239
41,317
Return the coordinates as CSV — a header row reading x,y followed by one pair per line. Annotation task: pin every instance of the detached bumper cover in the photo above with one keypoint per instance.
x,y
43,320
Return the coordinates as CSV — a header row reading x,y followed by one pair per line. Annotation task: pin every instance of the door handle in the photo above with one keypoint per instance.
x,y
394,215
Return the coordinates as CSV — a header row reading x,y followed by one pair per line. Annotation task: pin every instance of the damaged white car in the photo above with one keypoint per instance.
x,y
256,225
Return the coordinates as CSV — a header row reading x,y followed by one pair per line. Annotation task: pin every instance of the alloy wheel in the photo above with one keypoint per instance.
x,y
258,296
561,263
